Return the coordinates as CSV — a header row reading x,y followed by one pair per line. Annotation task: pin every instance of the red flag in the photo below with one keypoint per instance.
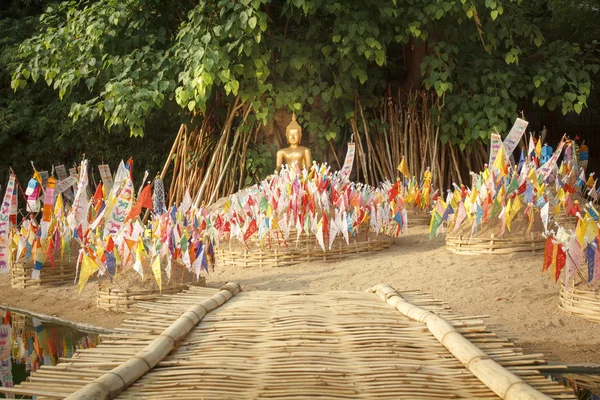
x,y
252,228
130,167
521,189
569,188
110,245
145,200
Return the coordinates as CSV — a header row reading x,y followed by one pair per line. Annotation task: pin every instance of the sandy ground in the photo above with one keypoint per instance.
x,y
60,301
520,301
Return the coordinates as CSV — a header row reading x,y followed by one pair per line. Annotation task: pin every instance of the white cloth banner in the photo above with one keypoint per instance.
x,y
514,136
349,161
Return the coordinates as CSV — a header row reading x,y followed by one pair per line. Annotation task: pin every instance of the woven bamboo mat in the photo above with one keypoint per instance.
x,y
337,345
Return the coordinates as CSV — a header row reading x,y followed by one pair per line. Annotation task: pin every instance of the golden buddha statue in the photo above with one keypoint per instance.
x,y
295,153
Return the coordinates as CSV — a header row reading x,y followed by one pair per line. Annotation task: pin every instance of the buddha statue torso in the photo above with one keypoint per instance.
x,y
295,153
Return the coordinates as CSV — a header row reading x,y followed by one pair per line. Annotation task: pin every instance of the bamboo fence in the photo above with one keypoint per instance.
x,y
64,271
284,254
579,300
492,245
281,345
128,288
122,300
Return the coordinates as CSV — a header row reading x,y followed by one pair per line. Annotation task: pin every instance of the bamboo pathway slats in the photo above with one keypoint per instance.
x,y
580,302
336,345
492,245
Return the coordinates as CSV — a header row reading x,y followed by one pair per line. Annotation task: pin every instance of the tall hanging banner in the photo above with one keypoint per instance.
x,y
121,209
514,136
80,203
48,206
61,174
106,176
5,225
349,161
495,145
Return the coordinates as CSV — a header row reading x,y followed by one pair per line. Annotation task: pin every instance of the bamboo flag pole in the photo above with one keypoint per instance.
x,y
504,383
109,385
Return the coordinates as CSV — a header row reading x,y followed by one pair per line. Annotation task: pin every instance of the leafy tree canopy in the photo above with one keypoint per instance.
x,y
123,60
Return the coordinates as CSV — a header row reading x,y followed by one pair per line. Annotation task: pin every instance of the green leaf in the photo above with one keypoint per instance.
x,y
578,107
494,14
538,41
252,22
379,57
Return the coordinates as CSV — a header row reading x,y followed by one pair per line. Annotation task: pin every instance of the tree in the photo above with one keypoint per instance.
x,y
318,58
34,125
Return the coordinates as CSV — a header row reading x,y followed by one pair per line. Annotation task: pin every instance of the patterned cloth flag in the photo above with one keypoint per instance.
x,y
590,254
121,209
158,197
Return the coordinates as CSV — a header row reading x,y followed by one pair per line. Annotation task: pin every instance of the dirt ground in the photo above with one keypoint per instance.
x,y
520,301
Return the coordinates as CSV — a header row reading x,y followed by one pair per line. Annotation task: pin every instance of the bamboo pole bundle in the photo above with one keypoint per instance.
x,y
501,381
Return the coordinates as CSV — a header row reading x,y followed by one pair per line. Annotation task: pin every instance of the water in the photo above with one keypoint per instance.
x,y
26,343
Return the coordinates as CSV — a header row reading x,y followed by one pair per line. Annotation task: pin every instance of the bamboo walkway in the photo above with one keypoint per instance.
x,y
336,345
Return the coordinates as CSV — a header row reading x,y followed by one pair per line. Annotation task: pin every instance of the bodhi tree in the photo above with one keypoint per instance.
x,y
416,78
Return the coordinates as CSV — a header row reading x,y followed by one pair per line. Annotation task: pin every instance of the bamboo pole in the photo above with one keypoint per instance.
x,y
110,384
233,150
231,113
504,383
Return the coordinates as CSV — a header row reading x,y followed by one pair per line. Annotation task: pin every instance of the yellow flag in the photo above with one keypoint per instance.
x,y
516,206
403,168
500,159
557,209
59,206
580,230
538,148
474,194
88,267
592,229
485,174
37,176
508,213
541,189
226,206
590,181
156,271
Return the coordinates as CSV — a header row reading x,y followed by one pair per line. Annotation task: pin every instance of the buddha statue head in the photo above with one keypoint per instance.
x,y
293,132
